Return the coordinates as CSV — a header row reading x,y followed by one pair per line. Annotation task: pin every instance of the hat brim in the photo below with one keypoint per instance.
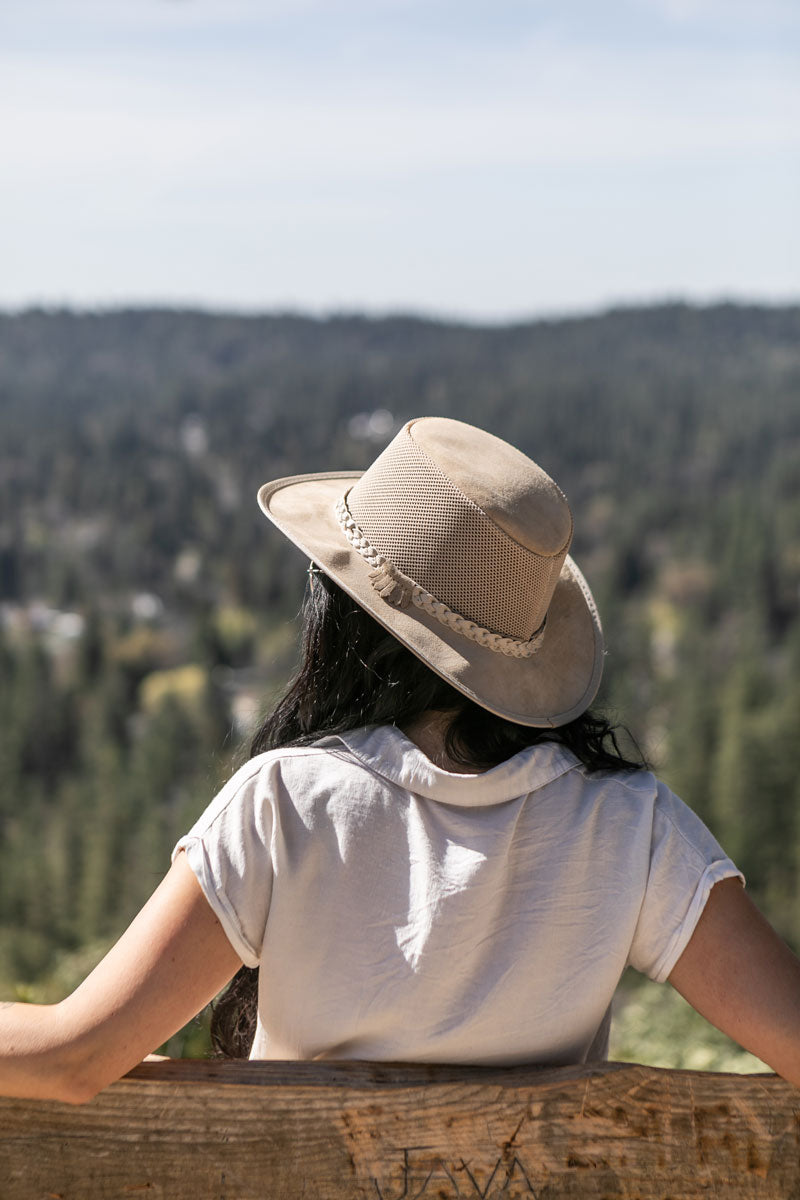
x,y
552,687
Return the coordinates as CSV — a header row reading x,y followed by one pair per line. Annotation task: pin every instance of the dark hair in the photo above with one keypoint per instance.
x,y
353,673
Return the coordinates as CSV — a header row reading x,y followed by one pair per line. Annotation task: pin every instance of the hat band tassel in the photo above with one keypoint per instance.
x,y
401,591
390,583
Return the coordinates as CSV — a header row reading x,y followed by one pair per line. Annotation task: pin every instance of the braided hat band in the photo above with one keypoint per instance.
x,y
396,588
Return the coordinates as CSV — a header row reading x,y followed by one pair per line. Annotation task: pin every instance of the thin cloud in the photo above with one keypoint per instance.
x,y
256,152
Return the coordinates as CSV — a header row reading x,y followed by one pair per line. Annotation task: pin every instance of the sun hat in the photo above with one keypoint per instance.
x,y
456,542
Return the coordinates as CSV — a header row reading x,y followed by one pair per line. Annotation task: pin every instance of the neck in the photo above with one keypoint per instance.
x,y
428,732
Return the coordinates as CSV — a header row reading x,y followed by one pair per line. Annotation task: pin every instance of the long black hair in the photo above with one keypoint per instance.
x,y
353,673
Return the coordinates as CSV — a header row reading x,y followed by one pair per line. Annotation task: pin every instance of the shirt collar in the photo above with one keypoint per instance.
x,y
389,753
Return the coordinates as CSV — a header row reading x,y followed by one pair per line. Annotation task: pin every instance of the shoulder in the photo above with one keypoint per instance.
x,y
649,804
639,789
291,757
261,782
648,794
278,770
674,820
624,808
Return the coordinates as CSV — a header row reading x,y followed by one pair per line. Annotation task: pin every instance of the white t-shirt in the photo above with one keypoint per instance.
x,y
400,912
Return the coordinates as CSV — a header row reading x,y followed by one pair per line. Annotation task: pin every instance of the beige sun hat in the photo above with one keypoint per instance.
x,y
457,543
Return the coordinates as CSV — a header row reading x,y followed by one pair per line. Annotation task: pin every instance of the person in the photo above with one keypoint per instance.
x,y
438,852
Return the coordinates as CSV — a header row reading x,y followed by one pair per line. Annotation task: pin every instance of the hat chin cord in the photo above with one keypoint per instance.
x,y
401,591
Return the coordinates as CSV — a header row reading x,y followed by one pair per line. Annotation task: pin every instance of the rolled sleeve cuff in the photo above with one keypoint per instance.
x,y
714,873
198,860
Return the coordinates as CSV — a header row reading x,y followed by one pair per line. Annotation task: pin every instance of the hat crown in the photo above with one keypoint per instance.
x,y
510,488
470,519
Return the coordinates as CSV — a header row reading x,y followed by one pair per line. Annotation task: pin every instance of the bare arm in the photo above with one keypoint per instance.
x,y
172,960
743,978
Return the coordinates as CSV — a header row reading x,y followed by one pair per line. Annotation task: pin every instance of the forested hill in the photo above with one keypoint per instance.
x,y
146,603
156,428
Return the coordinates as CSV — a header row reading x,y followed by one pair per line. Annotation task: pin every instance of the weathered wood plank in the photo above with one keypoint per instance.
x,y
246,1131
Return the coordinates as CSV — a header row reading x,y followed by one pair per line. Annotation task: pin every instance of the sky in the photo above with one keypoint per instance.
x,y
489,161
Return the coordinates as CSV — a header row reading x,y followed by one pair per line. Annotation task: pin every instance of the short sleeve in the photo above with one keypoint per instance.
x,y
229,851
685,863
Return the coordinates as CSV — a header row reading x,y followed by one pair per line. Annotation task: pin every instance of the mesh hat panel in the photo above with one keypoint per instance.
x,y
412,513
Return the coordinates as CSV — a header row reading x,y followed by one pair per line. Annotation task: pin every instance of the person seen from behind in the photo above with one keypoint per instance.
x,y
438,852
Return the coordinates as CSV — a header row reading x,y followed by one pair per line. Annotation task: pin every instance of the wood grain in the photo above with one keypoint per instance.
x,y
329,1131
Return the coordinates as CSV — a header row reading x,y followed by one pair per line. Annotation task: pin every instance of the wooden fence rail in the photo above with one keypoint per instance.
x,y
329,1131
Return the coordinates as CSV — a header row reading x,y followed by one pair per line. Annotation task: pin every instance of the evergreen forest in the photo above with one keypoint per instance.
x,y
148,611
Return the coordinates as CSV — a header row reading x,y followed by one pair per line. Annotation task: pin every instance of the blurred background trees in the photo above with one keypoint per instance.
x,y
147,608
